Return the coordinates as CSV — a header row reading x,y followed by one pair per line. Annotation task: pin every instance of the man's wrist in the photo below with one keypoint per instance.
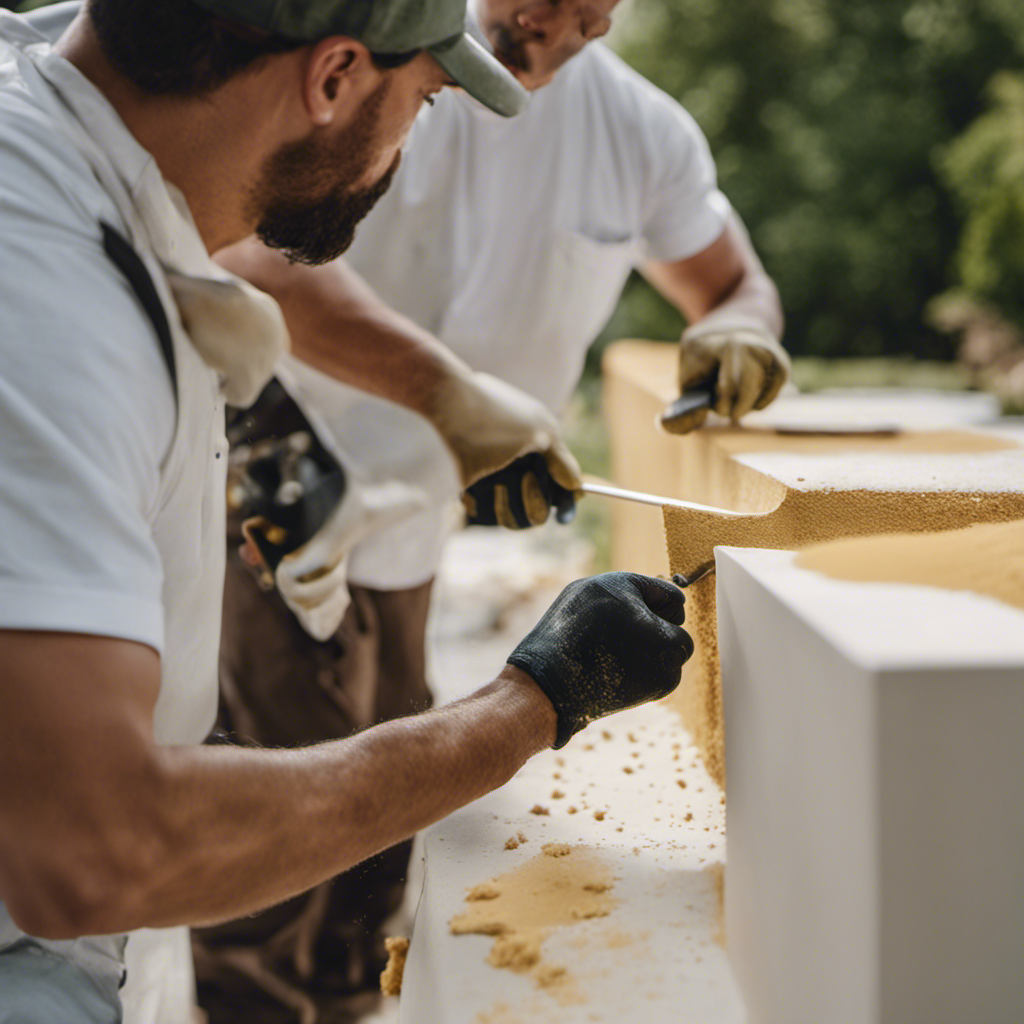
x,y
540,712
725,321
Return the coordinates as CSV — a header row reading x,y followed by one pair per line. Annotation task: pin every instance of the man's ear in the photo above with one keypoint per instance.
x,y
338,73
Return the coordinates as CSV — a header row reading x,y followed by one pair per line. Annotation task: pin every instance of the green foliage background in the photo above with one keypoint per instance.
x,y
985,169
832,123
875,149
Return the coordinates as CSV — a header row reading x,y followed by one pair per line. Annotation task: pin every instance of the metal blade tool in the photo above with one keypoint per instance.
x,y
704,566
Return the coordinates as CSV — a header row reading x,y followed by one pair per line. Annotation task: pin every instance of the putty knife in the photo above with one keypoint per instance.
x,y
591,486
676,415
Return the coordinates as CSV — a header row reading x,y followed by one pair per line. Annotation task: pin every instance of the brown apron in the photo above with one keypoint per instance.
x,y
317,958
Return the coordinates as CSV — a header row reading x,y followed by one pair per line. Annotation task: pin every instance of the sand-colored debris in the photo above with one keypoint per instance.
x,y
987,559
517,951
561,886
483,891
514,842
556,849
550,975
391,976
794,490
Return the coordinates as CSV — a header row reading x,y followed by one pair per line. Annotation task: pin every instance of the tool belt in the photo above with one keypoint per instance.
x,y
283,484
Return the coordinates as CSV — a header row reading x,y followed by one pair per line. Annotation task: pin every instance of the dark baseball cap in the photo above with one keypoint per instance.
x,y
386,27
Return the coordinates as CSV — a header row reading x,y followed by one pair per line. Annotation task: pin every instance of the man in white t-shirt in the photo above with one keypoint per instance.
x,y
510,241
147,137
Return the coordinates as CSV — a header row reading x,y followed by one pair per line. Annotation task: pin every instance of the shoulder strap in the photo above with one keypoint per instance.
x,y
127,260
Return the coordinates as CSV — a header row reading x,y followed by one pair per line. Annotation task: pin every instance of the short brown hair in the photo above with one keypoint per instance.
x,y
175,48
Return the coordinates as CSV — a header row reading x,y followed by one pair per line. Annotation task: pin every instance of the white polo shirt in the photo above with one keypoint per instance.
x,y
511,239
111,491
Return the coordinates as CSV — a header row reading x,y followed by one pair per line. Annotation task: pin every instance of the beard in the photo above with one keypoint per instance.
x,y
306,204
509,50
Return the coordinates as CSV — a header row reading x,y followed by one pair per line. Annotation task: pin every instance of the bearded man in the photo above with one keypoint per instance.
x,y
510,242
147,137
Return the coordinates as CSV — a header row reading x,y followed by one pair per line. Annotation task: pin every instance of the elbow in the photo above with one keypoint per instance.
x,y
67,900
48,915
93,879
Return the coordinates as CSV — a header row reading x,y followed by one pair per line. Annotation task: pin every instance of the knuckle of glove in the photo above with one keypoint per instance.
x,y
696,365
536,503
685,424
725,396
665,600
775,378
562,467
517,497
503,514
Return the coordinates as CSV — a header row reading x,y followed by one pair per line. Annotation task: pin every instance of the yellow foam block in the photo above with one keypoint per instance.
x,y
934,473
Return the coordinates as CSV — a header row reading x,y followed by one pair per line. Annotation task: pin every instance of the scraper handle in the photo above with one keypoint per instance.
x,y
682,582
687,412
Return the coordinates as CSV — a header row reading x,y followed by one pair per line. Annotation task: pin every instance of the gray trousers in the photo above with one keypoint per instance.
x,y
38,987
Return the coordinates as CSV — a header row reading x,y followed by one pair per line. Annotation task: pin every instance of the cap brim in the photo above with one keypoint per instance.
x,y
484,77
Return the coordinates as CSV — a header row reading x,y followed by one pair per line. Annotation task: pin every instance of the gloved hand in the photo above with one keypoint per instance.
x,y
488,423
519,496
237,329
303,505
607,643
311,579
738,358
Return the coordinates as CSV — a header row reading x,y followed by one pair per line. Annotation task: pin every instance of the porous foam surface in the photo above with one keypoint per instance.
x,y
942,465
986,558
984,471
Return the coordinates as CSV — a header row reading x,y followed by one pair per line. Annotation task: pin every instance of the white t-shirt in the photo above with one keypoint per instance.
x,y
111,492
511,239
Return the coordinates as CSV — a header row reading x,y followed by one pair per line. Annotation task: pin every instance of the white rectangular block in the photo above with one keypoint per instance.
x,y
874,756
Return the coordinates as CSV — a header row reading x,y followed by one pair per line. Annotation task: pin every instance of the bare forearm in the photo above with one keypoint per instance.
x,y
251,828
727,279
339,326
101,831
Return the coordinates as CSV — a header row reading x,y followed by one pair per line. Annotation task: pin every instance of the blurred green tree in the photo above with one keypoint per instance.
x,y
826,118
985,169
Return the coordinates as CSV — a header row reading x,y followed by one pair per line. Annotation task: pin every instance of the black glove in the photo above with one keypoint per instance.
x,y
607,643
519,496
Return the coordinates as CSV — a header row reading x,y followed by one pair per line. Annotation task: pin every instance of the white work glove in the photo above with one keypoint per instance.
x,y
488,423
237,329
312,579
739,358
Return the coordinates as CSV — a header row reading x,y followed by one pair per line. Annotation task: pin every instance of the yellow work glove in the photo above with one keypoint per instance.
x,y
519,496
738,359
488,423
